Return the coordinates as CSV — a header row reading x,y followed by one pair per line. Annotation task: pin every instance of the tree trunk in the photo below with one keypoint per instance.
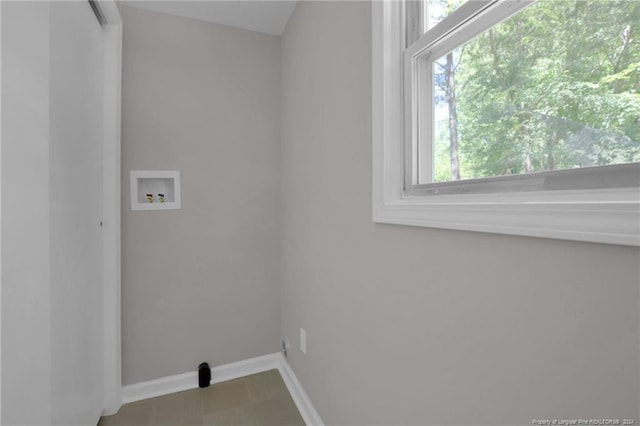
x,y
453,118
551,161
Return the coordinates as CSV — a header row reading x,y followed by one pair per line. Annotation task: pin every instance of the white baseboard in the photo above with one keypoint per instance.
x,y
300,397
186,381
223,373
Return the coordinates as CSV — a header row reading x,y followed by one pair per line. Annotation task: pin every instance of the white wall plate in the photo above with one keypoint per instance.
x,y
155,189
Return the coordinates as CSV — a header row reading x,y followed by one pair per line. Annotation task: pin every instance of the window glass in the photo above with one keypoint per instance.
x,y
436,10
554,87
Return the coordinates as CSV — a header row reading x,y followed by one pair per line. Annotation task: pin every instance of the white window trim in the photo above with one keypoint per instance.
x,y
605,216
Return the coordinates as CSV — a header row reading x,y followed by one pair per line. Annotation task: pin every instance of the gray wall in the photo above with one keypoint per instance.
x,y
200,283
423,326
405,325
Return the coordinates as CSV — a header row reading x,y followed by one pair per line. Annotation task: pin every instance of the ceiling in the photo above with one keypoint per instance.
x,y
264,16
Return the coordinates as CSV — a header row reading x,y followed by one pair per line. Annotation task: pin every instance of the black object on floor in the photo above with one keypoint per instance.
x,y
204,375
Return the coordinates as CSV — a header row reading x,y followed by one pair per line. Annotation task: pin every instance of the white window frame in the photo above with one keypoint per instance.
x,y
606,215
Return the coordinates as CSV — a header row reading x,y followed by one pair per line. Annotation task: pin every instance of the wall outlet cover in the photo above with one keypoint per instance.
x,y
303,341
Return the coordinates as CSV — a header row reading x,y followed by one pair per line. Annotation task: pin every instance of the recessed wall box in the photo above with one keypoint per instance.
x,y
155,189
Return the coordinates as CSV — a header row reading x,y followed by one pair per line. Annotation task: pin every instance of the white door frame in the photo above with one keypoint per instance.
x,y
112,80
0,216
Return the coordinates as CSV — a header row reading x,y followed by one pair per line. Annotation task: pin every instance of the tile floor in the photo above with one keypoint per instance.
x,y
260,399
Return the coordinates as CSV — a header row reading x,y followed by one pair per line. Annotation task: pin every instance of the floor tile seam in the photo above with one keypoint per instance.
x,y
233,405
246,387
254,415
252,398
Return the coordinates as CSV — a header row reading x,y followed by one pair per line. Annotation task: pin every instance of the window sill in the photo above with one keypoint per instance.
x,y
608,216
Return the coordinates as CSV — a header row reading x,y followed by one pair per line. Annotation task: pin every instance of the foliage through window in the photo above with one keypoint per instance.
x,y
555,86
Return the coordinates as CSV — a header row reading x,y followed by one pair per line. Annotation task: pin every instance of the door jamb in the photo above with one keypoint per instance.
x,y
111,205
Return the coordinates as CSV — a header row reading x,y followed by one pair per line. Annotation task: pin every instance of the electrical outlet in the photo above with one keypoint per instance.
x,y
303,341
